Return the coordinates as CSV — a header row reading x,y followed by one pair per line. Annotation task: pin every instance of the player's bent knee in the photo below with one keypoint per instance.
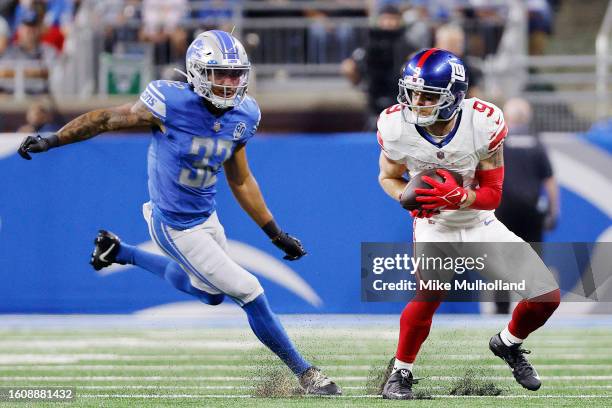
x,y
247,289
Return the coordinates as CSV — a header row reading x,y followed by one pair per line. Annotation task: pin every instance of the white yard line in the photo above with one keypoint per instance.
x,y
306,329
236,396
239,387
134,342
126,340
24,358
243,367
232,378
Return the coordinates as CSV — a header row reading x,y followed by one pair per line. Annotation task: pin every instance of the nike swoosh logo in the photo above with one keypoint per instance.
x,y
454,194
536,376
487,222
105,253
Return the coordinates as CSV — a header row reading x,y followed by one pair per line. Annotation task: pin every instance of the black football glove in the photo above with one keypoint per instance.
x,y
37,144
291,246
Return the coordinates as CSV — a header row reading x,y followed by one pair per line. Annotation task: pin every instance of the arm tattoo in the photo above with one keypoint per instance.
x,y
496,160
98,121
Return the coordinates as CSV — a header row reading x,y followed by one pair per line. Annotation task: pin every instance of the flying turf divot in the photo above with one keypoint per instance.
x,y
377,378
275,381
474,382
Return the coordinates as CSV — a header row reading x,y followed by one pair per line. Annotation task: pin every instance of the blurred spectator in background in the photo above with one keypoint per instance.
x,y
484,23
58,19
55,15
7,9
377,65
418,25
540,25
5,34
328,39
214,14
524,209
28,53
7,13
162,26
530,198
451,37
40,118
117,17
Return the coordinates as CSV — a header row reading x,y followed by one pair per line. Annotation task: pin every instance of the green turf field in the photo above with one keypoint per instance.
x,y
219,367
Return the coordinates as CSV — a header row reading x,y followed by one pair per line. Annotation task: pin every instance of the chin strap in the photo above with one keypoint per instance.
x,y
213,103
181,72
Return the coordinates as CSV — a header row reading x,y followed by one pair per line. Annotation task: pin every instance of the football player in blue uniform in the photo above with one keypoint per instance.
x,y
198,126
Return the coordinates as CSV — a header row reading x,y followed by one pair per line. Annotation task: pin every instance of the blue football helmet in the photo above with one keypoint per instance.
x,y
439,73
218,68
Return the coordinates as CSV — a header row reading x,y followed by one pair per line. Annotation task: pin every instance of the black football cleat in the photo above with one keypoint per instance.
x,y
105,252
399,385
315,382
514,356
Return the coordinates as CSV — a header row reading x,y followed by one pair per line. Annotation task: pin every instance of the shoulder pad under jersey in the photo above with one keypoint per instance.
x,y
389,128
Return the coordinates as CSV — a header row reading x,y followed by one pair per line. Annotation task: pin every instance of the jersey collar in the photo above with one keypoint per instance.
x,y
440,144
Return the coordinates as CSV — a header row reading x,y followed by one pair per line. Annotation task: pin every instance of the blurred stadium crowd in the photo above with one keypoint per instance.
x,y
36,30
113,47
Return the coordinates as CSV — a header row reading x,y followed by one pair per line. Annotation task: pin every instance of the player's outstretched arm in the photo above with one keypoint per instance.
x,y
89,125
391,176
247,192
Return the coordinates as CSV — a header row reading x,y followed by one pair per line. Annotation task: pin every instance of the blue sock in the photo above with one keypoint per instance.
x,y
270,332
166,269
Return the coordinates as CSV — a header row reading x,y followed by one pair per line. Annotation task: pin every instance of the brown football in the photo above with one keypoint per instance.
x,y
408,198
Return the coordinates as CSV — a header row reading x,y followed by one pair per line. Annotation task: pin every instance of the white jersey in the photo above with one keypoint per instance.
x,y
479,131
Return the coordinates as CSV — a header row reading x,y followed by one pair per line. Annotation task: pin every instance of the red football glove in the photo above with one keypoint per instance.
x,y
424,213
448,195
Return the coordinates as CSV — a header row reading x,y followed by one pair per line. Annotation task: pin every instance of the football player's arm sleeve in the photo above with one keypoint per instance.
x,y
99,121
245,188
490,177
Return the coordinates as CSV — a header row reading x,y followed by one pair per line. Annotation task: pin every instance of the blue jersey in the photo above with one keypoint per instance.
x,y
187,152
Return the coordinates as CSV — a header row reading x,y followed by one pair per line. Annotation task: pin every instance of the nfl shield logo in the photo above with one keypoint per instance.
x,y
440,155
217,126
239,131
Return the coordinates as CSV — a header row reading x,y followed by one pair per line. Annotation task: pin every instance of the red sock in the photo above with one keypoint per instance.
x,y
415,323
531,314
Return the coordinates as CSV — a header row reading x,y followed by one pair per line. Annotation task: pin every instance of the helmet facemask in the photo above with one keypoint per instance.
x,y
224,86
411,112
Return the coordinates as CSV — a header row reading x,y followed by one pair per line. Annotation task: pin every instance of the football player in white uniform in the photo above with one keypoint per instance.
x,y
434,126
